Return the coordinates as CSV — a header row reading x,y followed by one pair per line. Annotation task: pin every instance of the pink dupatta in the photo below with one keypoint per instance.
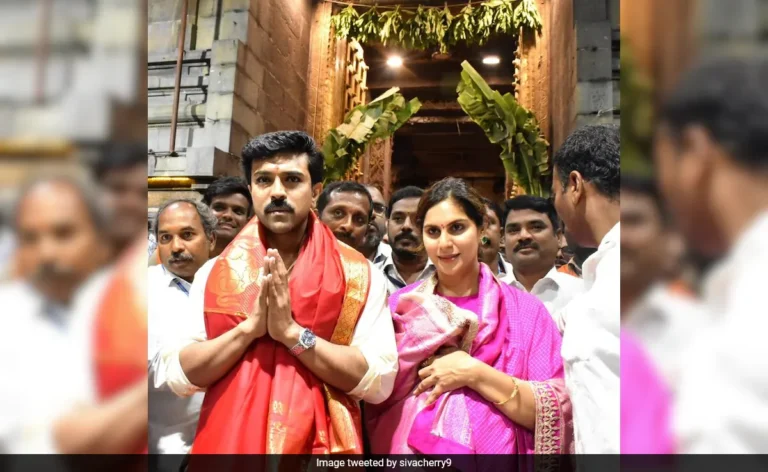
x,y
513,333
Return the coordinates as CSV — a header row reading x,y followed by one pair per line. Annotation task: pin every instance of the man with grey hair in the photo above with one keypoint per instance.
x,y
52,404
185,233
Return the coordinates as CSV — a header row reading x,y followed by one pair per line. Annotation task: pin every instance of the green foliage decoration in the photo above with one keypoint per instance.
x,y
508,124
364,124
424,27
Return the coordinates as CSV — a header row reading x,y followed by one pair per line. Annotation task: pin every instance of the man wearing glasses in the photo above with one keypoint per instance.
x,y
375,249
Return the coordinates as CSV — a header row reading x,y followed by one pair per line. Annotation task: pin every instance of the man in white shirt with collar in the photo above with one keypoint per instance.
x,y
712,160
531,243
52,405
264,314
660,317
586,186
185,232
408,263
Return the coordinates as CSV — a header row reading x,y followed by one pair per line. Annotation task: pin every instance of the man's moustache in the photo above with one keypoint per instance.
x,y
46,272
181,258
520,247
279,205
342,235
406,236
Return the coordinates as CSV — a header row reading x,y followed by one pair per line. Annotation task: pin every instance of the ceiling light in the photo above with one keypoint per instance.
x,y
395,61
491,60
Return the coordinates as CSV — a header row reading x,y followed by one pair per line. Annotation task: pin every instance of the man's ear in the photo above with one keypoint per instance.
x,y
317,189
576,186
212,242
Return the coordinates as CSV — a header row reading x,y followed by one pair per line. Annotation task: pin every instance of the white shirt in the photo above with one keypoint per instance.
x,y
555,290
722,405
383,252
374,335
172,420
46,351
663,322
393,278
590,351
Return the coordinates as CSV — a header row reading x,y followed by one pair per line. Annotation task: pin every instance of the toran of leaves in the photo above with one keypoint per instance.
x,y
514,128
362,126
637,111
425,27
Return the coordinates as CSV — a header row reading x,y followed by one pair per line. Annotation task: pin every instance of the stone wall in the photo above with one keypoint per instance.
x,y
244,74
597,59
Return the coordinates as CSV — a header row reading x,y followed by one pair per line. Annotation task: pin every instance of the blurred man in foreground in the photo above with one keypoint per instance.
x,y
74,389
659,316
586,191
711,153
122,172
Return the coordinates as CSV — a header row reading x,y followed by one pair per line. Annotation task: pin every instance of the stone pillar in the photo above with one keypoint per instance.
x,y
594,58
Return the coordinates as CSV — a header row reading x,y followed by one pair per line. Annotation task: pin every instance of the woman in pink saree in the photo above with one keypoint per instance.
x,y
480,370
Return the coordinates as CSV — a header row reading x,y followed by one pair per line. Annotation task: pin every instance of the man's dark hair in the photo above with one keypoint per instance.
x,y
348,186
726,96
405,192
269,145
593,151
537,204
118,157
225,186
496,208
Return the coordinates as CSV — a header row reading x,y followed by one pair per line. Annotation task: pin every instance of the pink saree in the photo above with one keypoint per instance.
x,y
646,425
509,330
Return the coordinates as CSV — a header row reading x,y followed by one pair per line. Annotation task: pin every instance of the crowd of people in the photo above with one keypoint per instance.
x,y
289,317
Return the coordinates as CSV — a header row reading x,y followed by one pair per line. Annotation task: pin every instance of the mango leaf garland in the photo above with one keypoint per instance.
x,y
505,122
362,126
426,27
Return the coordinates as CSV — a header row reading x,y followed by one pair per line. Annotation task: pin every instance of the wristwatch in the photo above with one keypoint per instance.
x,y
307,340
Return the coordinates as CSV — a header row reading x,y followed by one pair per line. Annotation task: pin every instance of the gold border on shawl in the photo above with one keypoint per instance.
x,y
549,429
343,424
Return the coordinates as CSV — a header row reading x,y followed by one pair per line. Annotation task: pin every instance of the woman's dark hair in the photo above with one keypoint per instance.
x,y
457,190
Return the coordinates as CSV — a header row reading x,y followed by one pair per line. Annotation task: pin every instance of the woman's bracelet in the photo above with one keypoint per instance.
x,y
514,393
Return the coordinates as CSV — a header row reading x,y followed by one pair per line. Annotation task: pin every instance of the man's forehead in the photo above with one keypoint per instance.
x,y
525,216
178,214
230,198
407,205
52,199
347,196
284,162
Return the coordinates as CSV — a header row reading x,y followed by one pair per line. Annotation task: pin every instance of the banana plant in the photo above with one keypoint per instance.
x,y
364,124
508,124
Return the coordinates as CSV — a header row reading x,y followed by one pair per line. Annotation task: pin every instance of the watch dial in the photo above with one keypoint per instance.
x,y
308,338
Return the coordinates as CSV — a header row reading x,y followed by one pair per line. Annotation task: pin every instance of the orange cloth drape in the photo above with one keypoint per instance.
x,y
269,403
120,331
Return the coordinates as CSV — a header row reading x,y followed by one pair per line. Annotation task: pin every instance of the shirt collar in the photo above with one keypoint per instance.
x,y
552,275
173,280
390,269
